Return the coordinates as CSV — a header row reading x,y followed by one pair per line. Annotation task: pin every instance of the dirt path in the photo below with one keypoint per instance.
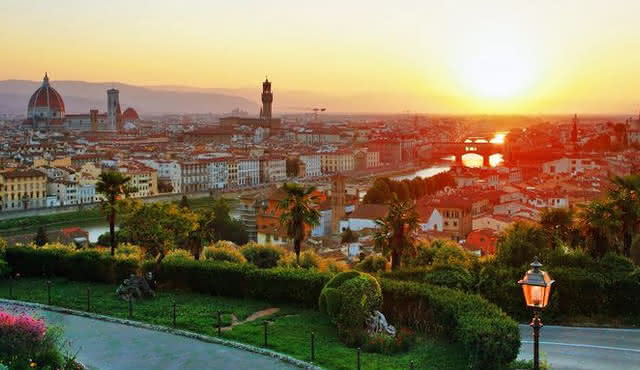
x,y
253,317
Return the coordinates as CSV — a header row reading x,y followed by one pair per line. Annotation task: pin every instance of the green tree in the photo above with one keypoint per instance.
x,y
558,224
184,202
395,233
521,242
159,227
625,197
112,185
41,237
601,223
298,213
348,236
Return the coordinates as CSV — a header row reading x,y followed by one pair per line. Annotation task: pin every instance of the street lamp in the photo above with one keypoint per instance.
x,y
536,287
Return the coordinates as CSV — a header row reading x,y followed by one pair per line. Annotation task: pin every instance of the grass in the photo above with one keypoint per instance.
x,y
64,218
289,330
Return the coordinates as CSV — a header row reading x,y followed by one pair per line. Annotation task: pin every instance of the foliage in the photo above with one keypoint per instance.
x,y
263,256
349,236
372,264
223,252
616,266
423,256
158,227
395,233
450,276
601,224
308,260
383,188
60,260
520,242
41,237
489,337
349,298
386,344
25,342
184,202
298,213
104,239
558,225
29,223
335,267
5,270
274,285
448,253
216,224
625,199
179,254
112,185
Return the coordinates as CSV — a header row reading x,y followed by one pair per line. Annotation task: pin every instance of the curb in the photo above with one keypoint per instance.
x,y
183,333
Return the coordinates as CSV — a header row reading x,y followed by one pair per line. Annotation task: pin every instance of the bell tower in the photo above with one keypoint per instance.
x,y
267,99
114,114
337,201
574,133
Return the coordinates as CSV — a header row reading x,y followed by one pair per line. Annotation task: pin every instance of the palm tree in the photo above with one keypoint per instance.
x,y
395,232
298,213
112,185
625,196
557,223
600,220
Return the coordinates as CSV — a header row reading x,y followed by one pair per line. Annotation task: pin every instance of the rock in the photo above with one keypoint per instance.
x,y
377,323
134,287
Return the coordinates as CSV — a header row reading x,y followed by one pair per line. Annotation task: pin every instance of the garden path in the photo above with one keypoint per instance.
x,y
253,317
109,346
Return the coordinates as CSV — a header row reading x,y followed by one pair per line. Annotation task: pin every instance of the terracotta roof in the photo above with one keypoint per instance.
x,y
370,211
46,96
23,173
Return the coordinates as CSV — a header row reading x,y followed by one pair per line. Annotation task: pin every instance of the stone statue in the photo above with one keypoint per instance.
x,y
377,323
134,287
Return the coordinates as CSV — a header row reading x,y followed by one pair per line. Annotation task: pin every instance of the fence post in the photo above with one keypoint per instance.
x,y
313,346
219,323
358,358
88,299
10,287
49,292
174,314
411,367
265,332
130,307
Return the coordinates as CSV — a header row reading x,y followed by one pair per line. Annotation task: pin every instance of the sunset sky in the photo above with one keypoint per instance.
x,y
450,56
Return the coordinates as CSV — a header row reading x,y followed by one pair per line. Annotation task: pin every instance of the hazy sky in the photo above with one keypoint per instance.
x,y
439,56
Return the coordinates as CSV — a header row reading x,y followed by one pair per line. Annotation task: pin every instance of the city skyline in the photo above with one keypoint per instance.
x,y
422,57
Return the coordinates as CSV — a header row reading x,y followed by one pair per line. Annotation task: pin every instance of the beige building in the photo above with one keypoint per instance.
x,y
143,178
21,189
336,162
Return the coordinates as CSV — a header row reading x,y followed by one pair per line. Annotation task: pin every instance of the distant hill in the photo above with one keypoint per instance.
x,y
80,96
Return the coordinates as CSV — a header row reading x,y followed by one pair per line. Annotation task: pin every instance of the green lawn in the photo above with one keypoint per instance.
x,y
289,332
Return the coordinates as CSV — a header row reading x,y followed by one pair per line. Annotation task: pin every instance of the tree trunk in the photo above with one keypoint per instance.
x,y
296,248
395,260
112,231
628,239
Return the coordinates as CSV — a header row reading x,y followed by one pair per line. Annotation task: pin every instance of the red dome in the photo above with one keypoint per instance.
x,y
46,96
130,114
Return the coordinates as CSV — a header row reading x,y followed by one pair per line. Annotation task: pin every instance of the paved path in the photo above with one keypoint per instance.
x,y
584,348
110,346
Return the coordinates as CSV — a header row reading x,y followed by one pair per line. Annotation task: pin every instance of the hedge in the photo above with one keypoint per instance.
x,y
242,280
490,337
82,265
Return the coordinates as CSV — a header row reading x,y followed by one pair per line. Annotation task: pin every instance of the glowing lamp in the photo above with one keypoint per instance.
x,y
536,286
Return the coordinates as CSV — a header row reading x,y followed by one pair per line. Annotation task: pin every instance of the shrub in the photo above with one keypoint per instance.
x,y
348,299
452,276
372,264
5,270
60,260
489,337
386,344
179,254
423,257
263,256
574,258
617,267
25,342
223,252
128,250
450,254
335,267
308,260
519,243
276,285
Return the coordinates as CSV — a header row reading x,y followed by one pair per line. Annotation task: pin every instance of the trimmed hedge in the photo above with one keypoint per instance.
x,y
82,265
490,337
242,280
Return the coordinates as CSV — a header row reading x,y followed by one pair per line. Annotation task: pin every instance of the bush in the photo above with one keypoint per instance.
x,y
386,344
263,256
617,267
348,299
276,285
26,342
372,264
223,252
451,255
5,270
452,276
179,254
335,267
423,257
489,337
61,260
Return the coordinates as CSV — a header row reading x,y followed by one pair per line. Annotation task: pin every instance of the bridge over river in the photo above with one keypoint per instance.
x,y
443,149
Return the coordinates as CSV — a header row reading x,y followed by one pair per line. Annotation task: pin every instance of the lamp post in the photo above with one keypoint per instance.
x,y
536,287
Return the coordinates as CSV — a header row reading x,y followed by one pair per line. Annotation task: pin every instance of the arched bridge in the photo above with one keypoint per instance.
x,y
440,150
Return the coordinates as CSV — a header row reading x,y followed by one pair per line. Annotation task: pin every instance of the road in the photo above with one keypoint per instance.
x,y
110,346
584,348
